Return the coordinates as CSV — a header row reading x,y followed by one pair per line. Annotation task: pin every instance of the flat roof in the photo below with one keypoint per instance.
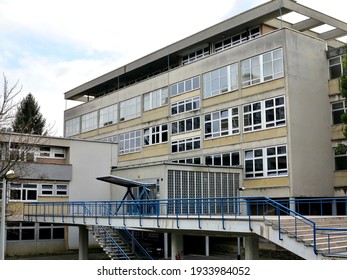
x,y
116,180
270,13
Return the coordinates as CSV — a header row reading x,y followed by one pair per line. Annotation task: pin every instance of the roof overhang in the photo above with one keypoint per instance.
x,y
124,182
270,13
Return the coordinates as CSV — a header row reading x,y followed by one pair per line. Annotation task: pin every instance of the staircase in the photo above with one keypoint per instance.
x,y
119,244
325,237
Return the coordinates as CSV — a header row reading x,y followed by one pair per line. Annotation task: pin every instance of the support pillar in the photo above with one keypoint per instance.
x,y
251,248
207,246
166,245
176,246
83,243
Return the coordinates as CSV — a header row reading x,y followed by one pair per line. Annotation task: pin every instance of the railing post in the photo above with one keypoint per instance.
x,y
314,239
198,208
223,222
278,211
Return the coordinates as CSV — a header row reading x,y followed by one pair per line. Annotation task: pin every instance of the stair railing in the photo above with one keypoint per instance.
x,y
107,237
129,239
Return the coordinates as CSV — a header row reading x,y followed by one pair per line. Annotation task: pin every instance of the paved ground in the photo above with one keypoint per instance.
x,y
98,254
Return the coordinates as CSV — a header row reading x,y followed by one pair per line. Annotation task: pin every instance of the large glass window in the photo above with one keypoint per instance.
x,y
108,115
196,55
340,161
184,106
226,159
130,142
72,127
155,135
185,125
237,39
261,68
336,67
89,121
184,145
266,162
23,192
338,109
221,80
130,109
155,99
185,86
264,114
222,123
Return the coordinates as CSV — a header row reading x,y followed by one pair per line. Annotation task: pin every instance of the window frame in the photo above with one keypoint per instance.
x,y
108,115
156,135
155,99
129,142
181,107
130,109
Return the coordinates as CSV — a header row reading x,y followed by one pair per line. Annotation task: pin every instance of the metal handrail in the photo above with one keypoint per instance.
x,y
108,237
221,207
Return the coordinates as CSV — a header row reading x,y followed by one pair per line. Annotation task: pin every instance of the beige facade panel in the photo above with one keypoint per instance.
x,y
334,86
264,87
155,114
184,96
266,183
222,142
126,125
108,129
221,99
340,178
337,132
155,150
265,134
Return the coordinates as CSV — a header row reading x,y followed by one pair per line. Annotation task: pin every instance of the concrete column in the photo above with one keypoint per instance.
x,y
251,248
334,208
166,245
176,246
207,246
83,243
292,203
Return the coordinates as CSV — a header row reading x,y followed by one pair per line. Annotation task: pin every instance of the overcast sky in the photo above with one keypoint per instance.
x,y
52,46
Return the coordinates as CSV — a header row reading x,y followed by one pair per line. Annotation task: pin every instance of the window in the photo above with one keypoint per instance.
x,y
185,125
155,99
185,86
185,145
336,67
264,114
196,55
194,160
50,231
54,190
222,123
72,127
52,152
108,115
130,109
89,121
262,68
340,161
187,105
338,109
155,135
20,231
227,159
237,39
221,80
24,192
110,139
266,162
130,142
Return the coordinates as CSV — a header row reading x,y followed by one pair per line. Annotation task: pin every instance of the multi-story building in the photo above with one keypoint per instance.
x,y
51,169
253,92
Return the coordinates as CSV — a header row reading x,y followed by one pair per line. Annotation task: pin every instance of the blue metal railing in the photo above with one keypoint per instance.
x,y
108,238
129,239
221,208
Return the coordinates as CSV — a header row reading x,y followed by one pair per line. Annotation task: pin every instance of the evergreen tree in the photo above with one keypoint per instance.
x,y
28,118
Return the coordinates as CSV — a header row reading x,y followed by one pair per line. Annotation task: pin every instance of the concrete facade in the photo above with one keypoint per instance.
x,y
60,170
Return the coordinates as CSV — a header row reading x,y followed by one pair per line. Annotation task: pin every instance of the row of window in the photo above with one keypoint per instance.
x,y
262,162
26,231
336,67
264,114
254,70
31,191
24,153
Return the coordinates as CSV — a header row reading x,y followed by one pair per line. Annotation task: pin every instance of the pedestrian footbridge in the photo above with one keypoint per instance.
x,y
310,237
